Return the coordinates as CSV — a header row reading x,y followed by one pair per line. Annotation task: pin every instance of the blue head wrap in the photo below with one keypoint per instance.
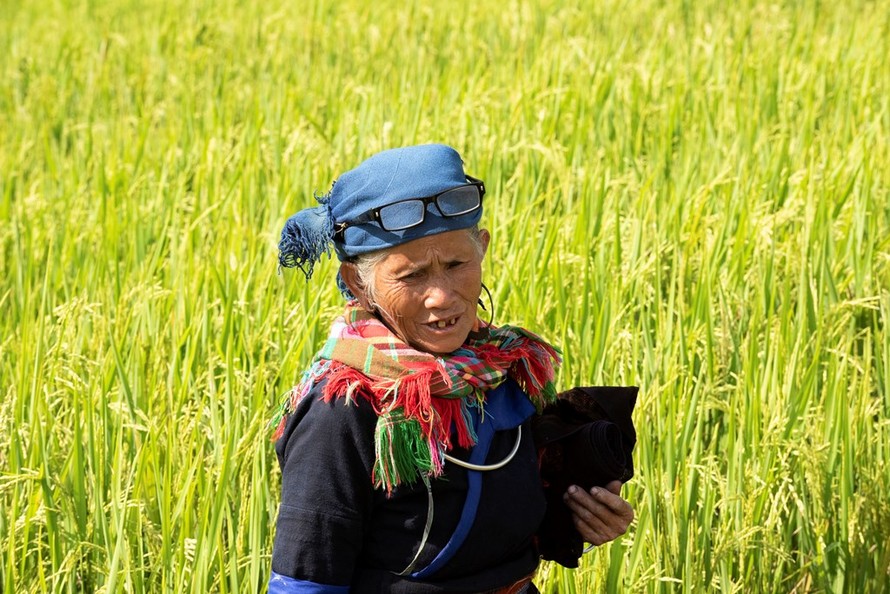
x,y
389,176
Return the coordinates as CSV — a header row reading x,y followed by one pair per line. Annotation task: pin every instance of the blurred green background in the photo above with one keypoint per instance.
x,y
691,197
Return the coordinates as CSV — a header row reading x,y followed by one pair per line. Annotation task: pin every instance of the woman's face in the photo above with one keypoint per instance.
x,y
426,290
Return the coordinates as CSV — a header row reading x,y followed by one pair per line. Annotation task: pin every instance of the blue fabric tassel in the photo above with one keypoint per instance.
x,y
305,238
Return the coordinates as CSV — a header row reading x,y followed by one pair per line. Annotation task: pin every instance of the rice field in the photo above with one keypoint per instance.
x,y
691,197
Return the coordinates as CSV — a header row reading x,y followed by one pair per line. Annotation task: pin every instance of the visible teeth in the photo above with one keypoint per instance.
x,y
445,323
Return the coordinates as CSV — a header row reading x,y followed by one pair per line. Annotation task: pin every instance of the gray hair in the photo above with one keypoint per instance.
x,y
366,264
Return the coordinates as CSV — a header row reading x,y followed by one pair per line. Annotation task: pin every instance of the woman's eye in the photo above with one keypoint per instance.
x,y
455,264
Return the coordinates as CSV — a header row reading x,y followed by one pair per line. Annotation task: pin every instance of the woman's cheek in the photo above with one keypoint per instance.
x,y
469,282
406,299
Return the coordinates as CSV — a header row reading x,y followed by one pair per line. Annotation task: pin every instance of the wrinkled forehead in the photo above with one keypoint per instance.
x,y
442,248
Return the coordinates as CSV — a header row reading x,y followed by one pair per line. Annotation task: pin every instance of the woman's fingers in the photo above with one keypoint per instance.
x,y
601,502
600,515
611,497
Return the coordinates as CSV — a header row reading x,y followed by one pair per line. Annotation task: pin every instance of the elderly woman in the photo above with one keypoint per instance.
x,y
407,460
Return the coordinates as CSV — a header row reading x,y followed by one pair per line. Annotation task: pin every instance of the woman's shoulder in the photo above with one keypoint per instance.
x,y
333,422
326,455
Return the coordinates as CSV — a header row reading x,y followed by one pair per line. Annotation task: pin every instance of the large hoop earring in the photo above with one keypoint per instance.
x,y
491,302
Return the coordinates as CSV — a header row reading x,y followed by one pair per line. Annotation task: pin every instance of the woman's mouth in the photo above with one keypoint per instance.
x,y
442,324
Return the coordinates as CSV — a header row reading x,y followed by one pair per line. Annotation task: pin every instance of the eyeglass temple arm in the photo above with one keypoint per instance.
x,y
367,217
476,181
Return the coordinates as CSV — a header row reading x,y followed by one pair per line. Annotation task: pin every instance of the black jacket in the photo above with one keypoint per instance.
x,y
334,528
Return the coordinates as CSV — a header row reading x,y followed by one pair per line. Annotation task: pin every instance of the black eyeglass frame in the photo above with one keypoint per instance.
x,y
373,215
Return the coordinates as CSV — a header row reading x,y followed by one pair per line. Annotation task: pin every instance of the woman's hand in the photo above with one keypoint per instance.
x,y
600,515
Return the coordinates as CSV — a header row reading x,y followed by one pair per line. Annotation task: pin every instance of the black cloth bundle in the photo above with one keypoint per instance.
x,y
585,438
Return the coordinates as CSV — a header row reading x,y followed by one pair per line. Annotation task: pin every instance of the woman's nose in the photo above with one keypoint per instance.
x,y
439,295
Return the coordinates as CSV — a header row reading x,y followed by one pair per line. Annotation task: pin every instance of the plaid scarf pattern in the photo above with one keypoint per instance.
x,y
422,400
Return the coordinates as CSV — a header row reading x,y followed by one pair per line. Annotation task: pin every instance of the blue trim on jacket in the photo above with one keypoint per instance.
x,y
281,584
506,407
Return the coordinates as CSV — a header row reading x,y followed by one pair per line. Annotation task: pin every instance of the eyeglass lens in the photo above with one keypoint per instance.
x,y
401,215
409,213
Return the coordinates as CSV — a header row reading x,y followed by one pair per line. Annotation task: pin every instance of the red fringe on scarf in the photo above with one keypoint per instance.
x,y
412,394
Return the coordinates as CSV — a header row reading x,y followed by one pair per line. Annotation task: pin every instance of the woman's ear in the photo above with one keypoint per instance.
x,y
349,274
484,238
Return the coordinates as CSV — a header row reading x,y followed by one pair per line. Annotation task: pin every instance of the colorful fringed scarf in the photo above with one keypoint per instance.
x,y
421,400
